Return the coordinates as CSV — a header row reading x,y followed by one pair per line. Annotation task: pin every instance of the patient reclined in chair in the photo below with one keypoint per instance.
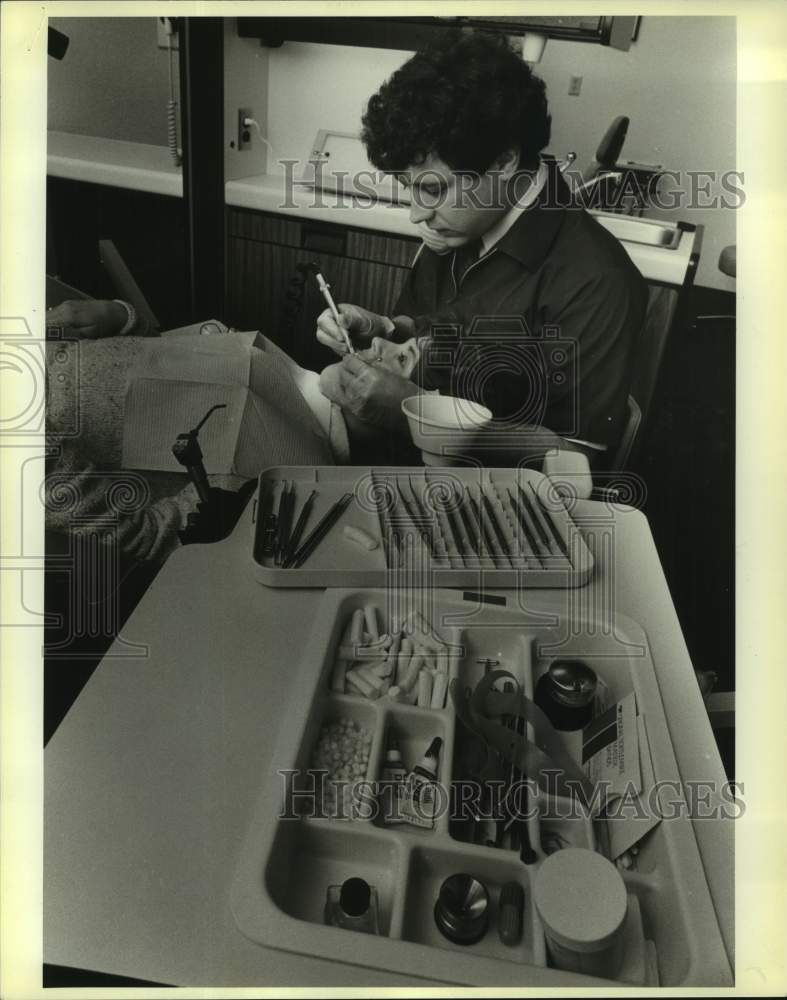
x,y
94,387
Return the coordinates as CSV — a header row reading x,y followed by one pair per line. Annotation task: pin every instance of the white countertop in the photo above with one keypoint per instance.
x,y
142,167
132,165
152,777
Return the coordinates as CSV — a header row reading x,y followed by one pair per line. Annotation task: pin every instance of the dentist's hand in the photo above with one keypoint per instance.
x,y
371,393
361,324
433,240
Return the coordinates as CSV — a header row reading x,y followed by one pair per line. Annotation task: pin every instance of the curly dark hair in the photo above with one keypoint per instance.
x,y
466,98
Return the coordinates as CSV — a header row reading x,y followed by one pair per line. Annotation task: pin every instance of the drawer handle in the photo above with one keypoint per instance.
x,y
324,240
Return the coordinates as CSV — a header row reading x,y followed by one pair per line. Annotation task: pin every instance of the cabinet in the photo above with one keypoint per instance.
x,y
263,251
411,33
147,229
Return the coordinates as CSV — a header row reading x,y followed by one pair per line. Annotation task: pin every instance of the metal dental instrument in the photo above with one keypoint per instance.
x,y
284,520
482,532
456,533
532,547
267,522
549,523
391,536
300,524
296,560
498,531
472,537
490,540
453,526
325,290
526,518
422,531
519,823
538,518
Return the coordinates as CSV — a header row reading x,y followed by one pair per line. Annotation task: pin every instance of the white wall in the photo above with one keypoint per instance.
x,y
321,86
676,83
113,81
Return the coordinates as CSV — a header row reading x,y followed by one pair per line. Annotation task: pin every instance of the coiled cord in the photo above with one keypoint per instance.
x,y
172,131
172,113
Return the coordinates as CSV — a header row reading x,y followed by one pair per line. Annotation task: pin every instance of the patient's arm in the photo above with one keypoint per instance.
x,y
92,319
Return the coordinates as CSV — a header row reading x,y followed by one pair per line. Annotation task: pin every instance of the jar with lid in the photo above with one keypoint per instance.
x,y
581,901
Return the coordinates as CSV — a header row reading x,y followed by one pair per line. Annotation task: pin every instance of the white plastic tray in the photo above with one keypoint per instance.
x,y
286,865
402,558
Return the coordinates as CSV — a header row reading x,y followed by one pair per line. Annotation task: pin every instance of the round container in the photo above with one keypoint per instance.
x,y
581,901
462,909
443,422
566,693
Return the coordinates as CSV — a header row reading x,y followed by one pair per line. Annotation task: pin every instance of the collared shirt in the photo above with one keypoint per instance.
x,y
541,328
501,227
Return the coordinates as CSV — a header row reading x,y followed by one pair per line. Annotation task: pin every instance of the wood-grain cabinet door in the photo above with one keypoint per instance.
x,y
264,292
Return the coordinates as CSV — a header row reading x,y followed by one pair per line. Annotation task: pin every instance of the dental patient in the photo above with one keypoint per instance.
x,y
86,466
340,386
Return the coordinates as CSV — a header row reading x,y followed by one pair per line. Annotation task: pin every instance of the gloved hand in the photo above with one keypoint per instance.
x,y
361,324
371,393
433,240
87,319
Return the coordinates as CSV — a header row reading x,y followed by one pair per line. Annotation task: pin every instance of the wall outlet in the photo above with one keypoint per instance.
x,y
162,38
243,139
574,86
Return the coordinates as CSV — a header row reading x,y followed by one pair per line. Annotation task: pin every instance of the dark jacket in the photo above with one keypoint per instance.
x,y
540,329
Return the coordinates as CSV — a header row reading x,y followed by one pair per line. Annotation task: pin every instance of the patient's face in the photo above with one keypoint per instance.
x,y
400,359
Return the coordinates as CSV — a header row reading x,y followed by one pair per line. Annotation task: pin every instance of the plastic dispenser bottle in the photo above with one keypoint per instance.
x,y
393,779
420,794
352,906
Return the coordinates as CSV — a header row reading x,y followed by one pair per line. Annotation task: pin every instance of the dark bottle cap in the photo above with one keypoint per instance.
x,y
429,761
462,909
573,683
433,750
354,897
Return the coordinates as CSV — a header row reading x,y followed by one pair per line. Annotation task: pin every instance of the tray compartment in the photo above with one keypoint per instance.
x,y
408,866
438,550
392,618
413,729
309,856
677,913
430,866
555,833
328,711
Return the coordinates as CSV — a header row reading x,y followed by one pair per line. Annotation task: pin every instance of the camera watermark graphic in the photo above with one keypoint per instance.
x,y
86,510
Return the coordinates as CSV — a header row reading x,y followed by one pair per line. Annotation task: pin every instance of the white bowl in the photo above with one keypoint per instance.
x,y
442,426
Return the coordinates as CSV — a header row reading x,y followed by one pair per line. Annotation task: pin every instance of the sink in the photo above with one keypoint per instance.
x,y
646,231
